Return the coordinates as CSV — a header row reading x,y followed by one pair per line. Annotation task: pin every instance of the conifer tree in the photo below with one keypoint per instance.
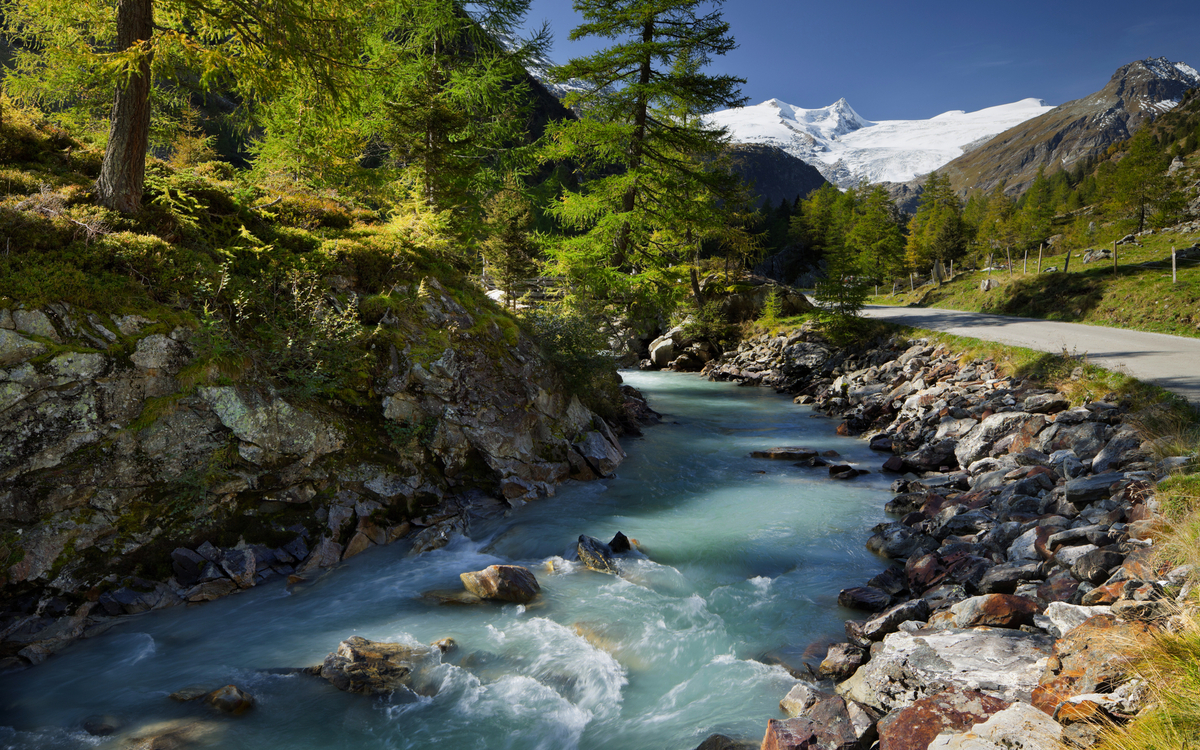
x,y
639,145
937,231
875,236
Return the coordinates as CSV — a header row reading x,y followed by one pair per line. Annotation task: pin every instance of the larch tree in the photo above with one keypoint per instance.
x,y
76,49
644,154
937,231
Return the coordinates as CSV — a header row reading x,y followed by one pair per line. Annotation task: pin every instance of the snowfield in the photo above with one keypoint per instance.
x,y
849,149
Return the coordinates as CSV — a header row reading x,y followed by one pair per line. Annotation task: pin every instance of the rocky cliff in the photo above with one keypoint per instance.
x,y
133,476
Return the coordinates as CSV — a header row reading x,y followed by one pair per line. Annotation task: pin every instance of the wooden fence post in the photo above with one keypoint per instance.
x,y
1174,277
1025,265
1041,249
1114,257
1008,255
1067,262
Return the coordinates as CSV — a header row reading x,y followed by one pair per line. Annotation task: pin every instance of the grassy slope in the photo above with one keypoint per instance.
x,y
1140,296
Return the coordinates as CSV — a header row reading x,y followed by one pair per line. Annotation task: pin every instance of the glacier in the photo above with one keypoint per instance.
x,y
849,150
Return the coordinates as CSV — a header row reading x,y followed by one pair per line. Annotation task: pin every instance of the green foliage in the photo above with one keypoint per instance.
x,y
572,339
649,192
509,248
411,438
772,309
937,231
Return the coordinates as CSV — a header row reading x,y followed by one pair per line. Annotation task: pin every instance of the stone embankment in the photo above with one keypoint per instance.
x,y
1024,573
136,475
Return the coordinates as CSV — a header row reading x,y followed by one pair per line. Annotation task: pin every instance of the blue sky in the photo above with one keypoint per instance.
x,y
895,60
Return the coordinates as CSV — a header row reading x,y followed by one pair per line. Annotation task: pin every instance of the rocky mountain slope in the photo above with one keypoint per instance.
x,y
1136,94
773,174
849,149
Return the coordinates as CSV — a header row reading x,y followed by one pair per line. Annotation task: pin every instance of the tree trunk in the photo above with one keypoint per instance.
x,y
696,289
123,172
637,144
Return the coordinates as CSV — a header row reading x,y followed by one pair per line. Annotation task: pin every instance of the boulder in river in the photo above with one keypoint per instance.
x,y
373,668
596,555
230,700
786,454
507,583
619,544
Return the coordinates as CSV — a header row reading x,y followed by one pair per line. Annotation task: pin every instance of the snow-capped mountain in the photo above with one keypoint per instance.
x,y
849,149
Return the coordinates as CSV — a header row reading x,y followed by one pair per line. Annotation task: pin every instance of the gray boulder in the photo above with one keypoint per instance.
x,y
1006,664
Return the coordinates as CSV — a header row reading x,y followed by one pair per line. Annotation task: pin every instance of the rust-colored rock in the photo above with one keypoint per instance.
x,y
1092,658
995,610
793,734
506,583
914,727
1103,594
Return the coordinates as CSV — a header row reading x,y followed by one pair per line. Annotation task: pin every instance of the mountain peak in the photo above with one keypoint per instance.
x,y
847,148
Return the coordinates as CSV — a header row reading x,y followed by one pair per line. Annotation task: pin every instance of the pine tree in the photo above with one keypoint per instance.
x,y
452,100
1139,180
644,155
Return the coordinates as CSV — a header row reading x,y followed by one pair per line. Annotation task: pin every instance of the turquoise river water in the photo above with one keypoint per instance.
x,y
744,557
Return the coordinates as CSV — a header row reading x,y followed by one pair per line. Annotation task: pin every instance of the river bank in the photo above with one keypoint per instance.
x,y
1024,575
740,569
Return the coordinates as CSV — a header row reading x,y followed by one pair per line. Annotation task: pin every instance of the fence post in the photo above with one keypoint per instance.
x,y
1025,265
1067,262
1008,255
1174,277
1041,249
1114,257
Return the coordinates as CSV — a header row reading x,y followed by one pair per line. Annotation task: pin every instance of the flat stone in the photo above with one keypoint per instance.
x,y
800,698
1046,403
1065,617
889,621
1096,566
1086,490
596,555
786,454
1091,658
15,348
206,592
907,667
841,661
230,700
376,668
915,726
864,598
1018,727
35,323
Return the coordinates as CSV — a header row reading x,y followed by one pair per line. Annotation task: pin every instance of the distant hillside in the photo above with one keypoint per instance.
x,y
772,173
1058,139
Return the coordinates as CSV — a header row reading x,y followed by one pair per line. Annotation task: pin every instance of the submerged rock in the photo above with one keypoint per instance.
x,y
230,700
507,583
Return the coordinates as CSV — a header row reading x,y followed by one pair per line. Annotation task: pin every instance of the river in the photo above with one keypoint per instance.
x,y
742,557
